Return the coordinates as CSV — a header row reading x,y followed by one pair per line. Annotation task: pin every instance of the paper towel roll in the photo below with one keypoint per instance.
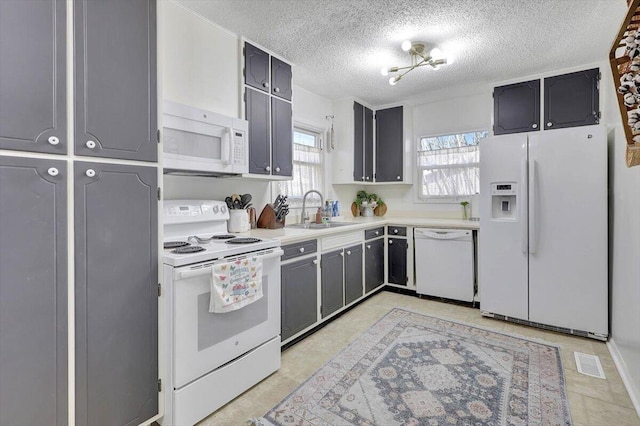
x,y
475,206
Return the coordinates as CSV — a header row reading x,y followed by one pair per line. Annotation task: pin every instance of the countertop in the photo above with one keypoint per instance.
x,y
288,235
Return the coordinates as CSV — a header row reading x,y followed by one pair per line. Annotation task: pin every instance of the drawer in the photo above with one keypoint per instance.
x,y
373,233
397,230
299,249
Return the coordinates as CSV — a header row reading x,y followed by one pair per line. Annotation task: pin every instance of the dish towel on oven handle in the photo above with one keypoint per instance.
x,y
235,284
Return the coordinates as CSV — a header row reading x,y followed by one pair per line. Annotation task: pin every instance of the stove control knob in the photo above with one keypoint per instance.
x,y
223,209
90,173
215,209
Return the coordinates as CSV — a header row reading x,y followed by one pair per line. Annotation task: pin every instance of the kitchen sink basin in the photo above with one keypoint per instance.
x,y
318,225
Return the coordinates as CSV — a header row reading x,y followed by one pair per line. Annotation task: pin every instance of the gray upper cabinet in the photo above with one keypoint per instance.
x,y
33,291
256,68
259,124
389,145
280,79
299,296
572,99
516,108
281,138
116,293
33,107
115,79
363,143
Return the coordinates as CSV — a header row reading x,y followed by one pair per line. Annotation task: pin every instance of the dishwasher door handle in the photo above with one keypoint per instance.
x,y
445,235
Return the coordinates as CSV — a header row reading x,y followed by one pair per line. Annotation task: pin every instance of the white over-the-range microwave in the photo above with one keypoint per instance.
x,y
200,142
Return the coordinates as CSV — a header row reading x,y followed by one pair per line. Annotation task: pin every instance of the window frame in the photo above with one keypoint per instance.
x,y
439,199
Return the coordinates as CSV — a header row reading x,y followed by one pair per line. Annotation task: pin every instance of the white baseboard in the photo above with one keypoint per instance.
x,y
632,389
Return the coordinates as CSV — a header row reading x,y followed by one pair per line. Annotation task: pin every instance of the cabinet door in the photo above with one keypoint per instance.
x,y
116,294
389,145
282,138
516,108
280,79
256,67
299,296
368,145
373,264
358,142
572,100
33,108
397,259
332,274
352,273
115,79
33,292
259,125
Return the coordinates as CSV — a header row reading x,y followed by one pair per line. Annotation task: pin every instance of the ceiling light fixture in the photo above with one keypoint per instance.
x,y
419,58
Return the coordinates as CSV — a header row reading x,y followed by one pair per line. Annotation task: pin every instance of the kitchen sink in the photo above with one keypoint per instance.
x,y
319,225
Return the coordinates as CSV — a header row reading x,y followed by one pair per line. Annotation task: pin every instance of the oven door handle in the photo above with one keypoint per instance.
x,y
181,275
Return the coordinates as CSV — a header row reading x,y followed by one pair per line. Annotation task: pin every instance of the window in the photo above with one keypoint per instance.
x,y
307,166
448,165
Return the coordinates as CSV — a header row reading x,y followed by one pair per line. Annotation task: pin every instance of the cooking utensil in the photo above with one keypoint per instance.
x,y
229,202
235,197
245,199
237,204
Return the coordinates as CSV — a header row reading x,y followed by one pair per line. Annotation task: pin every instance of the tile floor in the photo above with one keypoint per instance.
x,y
593,401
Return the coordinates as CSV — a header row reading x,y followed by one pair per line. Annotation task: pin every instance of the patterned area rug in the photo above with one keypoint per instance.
x,y
413,369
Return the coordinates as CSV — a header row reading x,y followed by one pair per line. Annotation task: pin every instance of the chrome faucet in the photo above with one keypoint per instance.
x,y
303,215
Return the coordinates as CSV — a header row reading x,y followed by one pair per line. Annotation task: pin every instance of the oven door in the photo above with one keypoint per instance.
x,y
203,341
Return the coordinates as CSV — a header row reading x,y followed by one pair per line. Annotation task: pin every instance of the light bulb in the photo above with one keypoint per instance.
x,y
406,45
435,53
384,71
393,81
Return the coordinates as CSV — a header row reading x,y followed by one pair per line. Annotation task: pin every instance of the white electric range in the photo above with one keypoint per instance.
x,y
210,358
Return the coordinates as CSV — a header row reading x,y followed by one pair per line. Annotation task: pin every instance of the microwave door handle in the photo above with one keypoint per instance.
x,y
227,150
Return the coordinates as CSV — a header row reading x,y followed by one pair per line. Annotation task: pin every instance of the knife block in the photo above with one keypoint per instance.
x,y
267,219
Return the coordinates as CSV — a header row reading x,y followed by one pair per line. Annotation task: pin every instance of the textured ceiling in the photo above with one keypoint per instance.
x,y
339,46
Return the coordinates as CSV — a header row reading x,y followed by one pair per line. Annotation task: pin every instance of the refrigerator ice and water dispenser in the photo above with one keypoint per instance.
x,y
504,200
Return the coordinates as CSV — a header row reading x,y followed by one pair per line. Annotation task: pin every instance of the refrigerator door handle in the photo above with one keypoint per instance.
x,y
533,220
524,237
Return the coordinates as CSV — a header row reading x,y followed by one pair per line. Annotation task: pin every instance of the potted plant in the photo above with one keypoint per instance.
x,y
465,212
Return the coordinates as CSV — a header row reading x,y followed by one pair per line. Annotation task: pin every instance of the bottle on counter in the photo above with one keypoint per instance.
x,y
319,216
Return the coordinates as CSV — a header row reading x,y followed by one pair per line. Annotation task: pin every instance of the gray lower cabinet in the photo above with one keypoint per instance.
x,y
33,107
332,285
115,79
33,291
373,264
299,293
352,273
397,261
116,293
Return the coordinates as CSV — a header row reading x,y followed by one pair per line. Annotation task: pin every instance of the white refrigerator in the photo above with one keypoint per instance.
x,y
543,228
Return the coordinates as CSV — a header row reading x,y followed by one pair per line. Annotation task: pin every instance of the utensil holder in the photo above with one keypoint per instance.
x,y
267,219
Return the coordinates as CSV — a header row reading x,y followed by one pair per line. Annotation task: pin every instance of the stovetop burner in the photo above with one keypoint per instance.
x,y
245,240
187,250
176,244
202,240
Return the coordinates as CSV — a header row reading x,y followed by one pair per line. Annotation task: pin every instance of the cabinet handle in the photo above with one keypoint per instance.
x,y
367,178
377,232
342,253
268,168
534,126
398,177
315,261
301,249
265,84
277,169
395,231
90,173
390,241
52,171
90,144
368,246
549,124
348,252
362,177
277,90
53,140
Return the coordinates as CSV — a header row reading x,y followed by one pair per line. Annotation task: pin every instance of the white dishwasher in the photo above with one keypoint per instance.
x,y
444,263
